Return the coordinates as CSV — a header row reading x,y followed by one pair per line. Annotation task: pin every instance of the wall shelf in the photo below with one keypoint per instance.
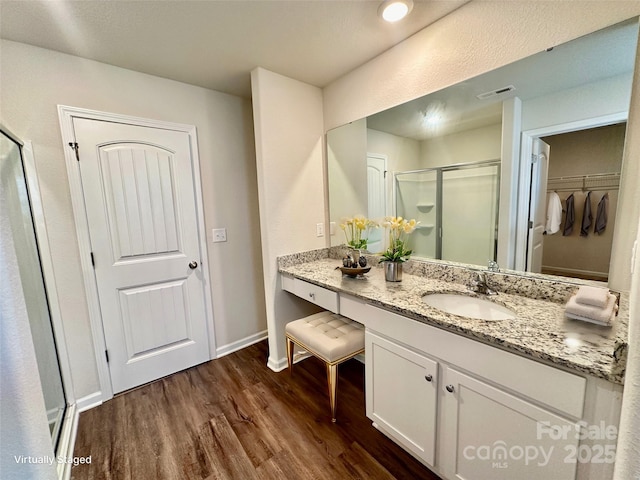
x,y
425,207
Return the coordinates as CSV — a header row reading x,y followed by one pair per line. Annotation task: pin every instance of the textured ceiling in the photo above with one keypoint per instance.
x,y
607,53
215,44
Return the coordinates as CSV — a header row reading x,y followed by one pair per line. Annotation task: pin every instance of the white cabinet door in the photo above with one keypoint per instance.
x,y
487,433
401,391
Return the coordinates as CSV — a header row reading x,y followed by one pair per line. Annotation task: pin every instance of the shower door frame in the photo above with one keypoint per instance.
x,y
66,435
438,204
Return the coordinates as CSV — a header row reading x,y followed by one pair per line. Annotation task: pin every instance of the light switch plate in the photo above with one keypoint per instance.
x,y
219,235
319,229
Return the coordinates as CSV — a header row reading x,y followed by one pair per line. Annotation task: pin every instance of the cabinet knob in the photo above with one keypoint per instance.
x,y
428,377
450,388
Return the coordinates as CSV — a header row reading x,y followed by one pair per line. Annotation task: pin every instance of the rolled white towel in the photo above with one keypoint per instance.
x,y
601,315
596,296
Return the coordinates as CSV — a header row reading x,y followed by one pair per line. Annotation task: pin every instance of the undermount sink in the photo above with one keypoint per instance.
x,y
470,307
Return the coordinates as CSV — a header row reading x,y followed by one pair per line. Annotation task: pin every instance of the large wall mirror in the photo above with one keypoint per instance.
x,y
521,165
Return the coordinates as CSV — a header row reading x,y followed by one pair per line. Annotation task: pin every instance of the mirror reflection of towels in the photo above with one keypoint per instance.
x,y
554,214
602,215
571,216
586,216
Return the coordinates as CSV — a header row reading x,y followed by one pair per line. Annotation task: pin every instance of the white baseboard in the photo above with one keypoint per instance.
x,y
240,344
88,402
67,440
575,271
277,365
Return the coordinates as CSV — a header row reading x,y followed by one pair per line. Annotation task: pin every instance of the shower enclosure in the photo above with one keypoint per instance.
x,y
457,206
16,208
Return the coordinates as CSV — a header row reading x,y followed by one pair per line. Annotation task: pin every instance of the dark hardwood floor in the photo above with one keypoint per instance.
x,y
233,418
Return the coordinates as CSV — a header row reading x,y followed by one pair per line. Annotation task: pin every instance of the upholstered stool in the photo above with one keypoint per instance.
x,y
330,337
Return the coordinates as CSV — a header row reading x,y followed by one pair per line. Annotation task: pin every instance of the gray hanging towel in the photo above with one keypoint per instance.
x,y
586,216
570,218
602,214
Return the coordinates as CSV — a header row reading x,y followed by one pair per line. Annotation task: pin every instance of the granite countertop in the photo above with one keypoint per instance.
x,y
540,330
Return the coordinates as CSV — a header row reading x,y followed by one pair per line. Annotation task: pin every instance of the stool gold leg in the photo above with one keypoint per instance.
x,y
290,347
332,381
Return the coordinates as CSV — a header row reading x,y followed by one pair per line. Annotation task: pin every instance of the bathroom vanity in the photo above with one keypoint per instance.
x,y
535,396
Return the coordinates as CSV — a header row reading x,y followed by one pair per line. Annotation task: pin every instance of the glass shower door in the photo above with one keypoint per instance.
x,y
470,213
15,207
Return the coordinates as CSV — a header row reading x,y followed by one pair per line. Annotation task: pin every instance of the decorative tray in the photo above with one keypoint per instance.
x,y
354,272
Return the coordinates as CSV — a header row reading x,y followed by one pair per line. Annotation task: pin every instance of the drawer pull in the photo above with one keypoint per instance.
x,y
428,377
312,295
450,388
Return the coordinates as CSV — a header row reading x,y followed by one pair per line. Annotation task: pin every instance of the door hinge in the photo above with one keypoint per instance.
x,y
106,354
384,174
534,157
93,260
74,146
530,224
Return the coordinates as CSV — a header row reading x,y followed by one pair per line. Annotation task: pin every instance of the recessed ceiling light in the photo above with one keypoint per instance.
x,y
394,10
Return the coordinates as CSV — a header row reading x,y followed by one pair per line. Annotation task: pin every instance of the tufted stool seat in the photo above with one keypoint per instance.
x,y
330,337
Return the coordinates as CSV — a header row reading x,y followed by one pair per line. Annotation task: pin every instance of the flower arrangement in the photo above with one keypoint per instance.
x,y
356,230
397,228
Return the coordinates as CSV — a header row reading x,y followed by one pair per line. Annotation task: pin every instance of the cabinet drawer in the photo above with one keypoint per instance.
x,y
287,283
353,308
320,296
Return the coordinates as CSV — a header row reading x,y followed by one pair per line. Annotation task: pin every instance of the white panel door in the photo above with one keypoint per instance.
x,y
538,205
376,198
138,185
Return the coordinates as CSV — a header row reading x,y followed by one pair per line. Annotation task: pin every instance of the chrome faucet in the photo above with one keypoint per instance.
x,y
493,266
480,285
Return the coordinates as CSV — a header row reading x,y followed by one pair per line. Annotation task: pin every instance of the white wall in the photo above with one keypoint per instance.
x,y
627,459
474,145
289,155
606,97
35,80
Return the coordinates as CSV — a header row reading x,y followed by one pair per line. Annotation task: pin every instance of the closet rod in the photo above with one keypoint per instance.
x,y
594,189
585,177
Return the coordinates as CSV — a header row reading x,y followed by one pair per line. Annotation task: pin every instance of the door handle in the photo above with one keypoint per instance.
x,y
193,265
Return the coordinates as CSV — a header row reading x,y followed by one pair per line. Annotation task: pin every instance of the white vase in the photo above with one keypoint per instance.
x,y
393,271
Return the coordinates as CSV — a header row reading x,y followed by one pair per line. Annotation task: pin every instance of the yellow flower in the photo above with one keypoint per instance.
x,y
356,230
397,228
410,226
